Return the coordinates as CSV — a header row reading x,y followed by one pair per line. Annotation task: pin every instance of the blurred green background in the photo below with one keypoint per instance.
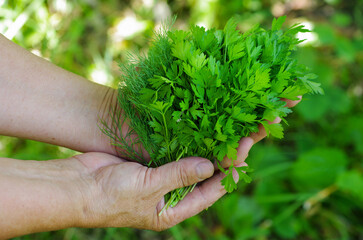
x,y
307,186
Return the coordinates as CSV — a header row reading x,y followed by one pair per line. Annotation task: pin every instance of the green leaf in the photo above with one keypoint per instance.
x,y
231,34
184,105
296,28
197,60
205,124
147,95
242,175
179,92
156,82
283,76
158,105
212,65
229,183
196,112
312,87
157,138
271,114
231,151
246,117
182,50
237,114
281,82
236,51
261,80
178,35
220,151
218,125
219,36
291,92
177,116
188,69
228,127
156,126
255,52
245,169
209,143
199,92
274,129
221,137
277,23
203,39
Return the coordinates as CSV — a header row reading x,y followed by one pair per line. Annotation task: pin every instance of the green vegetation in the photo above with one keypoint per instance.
x,y
307,186
199,92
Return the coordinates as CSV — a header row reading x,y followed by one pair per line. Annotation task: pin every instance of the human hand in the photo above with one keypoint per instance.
x,y
119,193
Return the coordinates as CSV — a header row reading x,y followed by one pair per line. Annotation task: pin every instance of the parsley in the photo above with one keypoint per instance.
x,y
198,92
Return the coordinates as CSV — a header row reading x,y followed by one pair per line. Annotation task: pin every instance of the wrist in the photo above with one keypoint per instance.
x,y
56,106
39,196
107,102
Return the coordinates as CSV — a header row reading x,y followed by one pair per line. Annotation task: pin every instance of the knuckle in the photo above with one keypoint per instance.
x,y
149,176
153,177
183,175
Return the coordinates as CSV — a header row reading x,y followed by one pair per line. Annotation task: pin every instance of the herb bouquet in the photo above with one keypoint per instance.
x,y
198,92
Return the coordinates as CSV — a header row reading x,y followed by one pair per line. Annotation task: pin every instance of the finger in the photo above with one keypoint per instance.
x,y
202,197
244,146
291,103
182,173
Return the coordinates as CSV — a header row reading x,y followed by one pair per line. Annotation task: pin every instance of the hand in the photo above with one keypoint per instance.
x,y
126,194
99,190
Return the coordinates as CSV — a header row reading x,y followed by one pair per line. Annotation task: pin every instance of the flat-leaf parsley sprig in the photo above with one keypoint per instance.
x,y
198,92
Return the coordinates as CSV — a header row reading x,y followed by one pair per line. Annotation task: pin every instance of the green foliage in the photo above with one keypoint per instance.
x,y
83,37
199,92
351,182
311,166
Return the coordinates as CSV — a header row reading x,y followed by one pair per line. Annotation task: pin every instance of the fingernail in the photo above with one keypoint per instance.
x,y
205,170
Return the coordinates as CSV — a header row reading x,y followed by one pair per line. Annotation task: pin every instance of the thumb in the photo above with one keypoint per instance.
x,y
182,173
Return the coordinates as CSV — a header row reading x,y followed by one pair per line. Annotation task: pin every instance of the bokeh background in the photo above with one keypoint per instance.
x,y
307,186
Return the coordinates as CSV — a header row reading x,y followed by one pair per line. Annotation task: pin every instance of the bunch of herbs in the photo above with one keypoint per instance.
x,y
198,92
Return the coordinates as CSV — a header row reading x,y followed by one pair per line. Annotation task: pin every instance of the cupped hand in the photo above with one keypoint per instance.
x,y
119,193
